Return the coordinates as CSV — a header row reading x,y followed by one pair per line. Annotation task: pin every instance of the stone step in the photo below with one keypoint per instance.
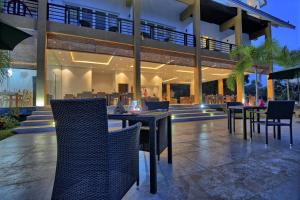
x,y
40,117
193,111
186,114
36,123
34,129
199,118
38,112
45,108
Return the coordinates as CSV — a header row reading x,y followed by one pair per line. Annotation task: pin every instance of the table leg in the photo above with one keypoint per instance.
x,y
258,119
152,141
124,123
229,121
279,131
169,140
245,123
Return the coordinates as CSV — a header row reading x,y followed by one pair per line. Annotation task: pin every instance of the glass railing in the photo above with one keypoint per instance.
x,y
26,8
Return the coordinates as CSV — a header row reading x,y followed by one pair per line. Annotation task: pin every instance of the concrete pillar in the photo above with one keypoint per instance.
x,y
198,65
238,29
168,91
41,77
137,49
220,87
270,83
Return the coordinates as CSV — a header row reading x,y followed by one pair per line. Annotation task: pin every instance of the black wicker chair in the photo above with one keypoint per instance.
x,y
91,162
234,114
276,112
162,135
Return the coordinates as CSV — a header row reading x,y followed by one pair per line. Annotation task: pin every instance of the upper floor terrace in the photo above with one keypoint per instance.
x,y
169,22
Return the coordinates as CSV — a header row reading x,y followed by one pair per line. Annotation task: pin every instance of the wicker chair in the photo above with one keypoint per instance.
x,y
91,162
234,114
161,142
276,112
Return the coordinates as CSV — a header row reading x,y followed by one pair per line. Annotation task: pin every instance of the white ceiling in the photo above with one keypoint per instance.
x,y
109,64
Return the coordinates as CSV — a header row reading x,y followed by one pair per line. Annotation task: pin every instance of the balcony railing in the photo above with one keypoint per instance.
x,y
27,8
109,22
88,18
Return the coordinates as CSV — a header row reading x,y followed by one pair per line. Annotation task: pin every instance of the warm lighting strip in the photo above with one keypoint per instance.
x,y
90,62
22,63
170,79
220,74
184,71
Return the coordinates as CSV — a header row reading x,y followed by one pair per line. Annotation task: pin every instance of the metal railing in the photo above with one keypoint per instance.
x,y
89,18
26,8
167,35
215,45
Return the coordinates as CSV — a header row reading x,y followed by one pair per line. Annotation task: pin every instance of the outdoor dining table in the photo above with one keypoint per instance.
x,y
151,118
244,109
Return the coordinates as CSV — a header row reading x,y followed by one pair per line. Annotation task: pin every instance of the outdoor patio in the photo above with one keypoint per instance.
x,y
208,163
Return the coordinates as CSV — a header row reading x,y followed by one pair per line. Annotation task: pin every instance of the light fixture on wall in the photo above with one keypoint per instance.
x,y
91,62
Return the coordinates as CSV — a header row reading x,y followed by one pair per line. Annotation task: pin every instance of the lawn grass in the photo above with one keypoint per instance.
x,y
5,134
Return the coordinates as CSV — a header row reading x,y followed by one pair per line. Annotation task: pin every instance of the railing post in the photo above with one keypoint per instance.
x,y
185,39
151,32
120,25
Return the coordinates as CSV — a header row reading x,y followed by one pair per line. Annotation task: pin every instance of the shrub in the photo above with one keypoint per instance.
x,y
8,123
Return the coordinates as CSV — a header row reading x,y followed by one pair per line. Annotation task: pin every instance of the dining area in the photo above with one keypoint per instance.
x,y
275,114
89,155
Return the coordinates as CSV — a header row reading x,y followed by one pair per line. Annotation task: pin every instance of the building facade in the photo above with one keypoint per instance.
x,y
176,50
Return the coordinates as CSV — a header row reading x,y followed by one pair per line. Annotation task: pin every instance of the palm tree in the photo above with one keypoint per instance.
x,y
4,64
249,56
286,59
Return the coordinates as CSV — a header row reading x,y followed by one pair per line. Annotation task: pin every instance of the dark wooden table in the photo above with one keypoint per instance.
x,y
244,109
151,118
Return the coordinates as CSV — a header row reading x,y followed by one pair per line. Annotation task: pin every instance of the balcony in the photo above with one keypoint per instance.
x,y
26,8
108,22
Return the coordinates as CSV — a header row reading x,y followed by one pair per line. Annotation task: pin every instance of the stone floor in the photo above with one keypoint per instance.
x,y
208,163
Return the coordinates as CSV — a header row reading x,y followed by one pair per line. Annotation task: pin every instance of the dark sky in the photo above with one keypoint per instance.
x,y
287,10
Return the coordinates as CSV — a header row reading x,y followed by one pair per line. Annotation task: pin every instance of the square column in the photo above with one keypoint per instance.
x,y
41,77
198,64
238,28
137,49
270,83
220,87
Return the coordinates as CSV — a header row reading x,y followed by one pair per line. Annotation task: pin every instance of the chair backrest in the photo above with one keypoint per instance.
x,y
233,103
280,109
82,143
156,105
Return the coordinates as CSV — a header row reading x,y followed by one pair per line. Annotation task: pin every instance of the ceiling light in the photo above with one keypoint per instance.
x,y
170,79
90,62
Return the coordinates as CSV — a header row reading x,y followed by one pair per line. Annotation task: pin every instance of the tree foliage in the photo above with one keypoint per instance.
x,y
4,64
248,56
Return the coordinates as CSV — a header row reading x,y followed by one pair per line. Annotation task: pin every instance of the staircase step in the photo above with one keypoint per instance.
x,y
200,118
34,129
39,112
190,114
40,117
45,108
193,111
36,123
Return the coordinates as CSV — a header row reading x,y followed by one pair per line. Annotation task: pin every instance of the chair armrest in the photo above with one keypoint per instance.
x,y
123,156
